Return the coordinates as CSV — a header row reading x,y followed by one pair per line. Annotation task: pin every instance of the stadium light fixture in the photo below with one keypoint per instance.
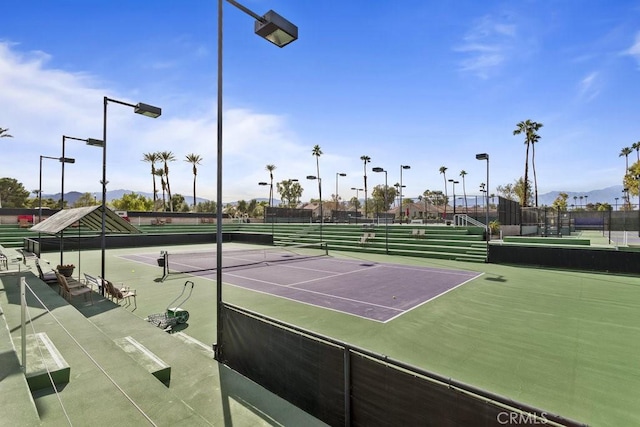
x,y
357,199
338,174
140,108
402,167
386,220
485,156
453,184
62,160
277,30
64,138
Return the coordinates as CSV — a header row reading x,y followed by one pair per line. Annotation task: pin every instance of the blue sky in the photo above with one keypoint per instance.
x,y
412,82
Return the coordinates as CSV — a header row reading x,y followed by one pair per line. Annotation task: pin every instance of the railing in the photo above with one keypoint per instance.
x,y
464,220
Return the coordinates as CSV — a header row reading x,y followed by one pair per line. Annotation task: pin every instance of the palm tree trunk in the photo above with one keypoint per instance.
x,y
319,188
164,201
155,190
525,184
464,191
194,192
446,197
535,178
366,213
166,174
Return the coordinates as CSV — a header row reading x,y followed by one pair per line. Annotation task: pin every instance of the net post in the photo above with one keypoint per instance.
x,y
165,265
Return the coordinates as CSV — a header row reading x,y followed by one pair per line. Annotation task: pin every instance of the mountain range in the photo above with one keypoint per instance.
x,y
604,195
71,197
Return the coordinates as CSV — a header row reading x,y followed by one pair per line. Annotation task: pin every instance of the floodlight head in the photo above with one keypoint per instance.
x,y
67,160
275,29
342,174
405,166
148,110
311,177
263,183
95,142
482,156
378,169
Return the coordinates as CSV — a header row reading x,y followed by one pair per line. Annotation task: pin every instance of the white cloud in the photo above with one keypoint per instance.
x,y
39,104
589,86
487,46
634,50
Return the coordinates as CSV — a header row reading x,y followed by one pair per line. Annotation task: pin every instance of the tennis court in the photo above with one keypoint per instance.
x,y
371,290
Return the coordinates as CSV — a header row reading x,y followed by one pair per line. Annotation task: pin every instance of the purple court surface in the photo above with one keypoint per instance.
x,y
371,290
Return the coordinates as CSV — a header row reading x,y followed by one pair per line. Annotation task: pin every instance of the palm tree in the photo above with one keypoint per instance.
x,y
4,134
366,159
167,156
636,146
534,139
152,158
528,128
318,152
443,171
160,173
195,160
464,191
625,152
270,168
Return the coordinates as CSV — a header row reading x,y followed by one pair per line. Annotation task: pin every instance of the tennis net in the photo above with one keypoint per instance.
x,y
191,262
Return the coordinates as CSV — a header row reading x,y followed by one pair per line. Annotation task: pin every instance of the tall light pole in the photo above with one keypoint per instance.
x,y
140,108
312,177
338,174
454,182
485,156
88,141
277,30
357,200
62,160
266,183
386,220
401,168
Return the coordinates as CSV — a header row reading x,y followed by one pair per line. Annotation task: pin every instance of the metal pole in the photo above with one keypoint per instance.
x,y
103,233
337,173
487,218
62,205
321,214
400,207
23,322
386,220
40,198
218,345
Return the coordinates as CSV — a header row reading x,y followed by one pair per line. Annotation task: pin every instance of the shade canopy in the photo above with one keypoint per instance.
x,y
91,217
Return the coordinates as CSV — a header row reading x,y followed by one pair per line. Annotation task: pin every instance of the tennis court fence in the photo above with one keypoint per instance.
x,y
343,385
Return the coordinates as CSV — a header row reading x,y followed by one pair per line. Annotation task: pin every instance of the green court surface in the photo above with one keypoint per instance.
x,y
563,341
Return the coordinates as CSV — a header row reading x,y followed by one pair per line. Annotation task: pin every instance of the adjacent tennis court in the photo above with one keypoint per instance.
x,y
371,290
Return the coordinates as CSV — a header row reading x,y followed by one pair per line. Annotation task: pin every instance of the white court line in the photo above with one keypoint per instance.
x,y
333,275
408,267
313,292
434,297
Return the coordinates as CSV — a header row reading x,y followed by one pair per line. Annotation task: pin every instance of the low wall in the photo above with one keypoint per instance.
x,y
606,260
